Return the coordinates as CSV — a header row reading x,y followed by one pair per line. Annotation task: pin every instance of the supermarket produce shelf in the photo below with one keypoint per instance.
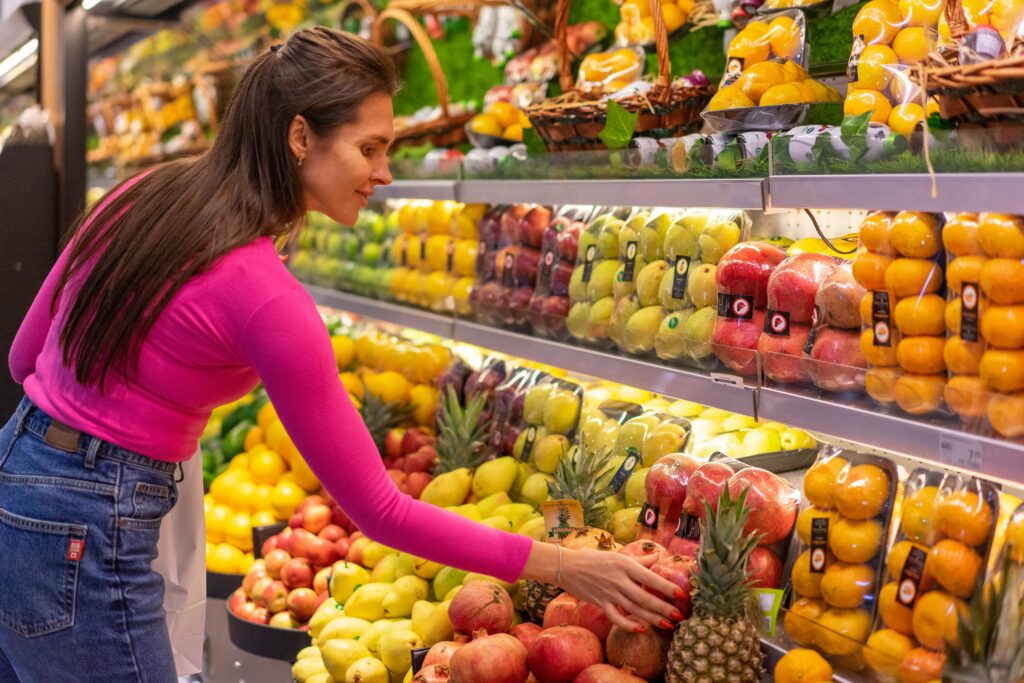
x,y
941,443
417,189
405,316
999,192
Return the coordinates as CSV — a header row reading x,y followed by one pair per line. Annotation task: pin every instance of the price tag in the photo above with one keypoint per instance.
x,y
961,453
726,378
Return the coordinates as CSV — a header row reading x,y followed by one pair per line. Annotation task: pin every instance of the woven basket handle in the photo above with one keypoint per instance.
x,y
957,19
426,45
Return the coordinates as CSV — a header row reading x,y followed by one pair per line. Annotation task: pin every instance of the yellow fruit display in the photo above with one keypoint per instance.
x,y
784,37
924,315
842,631
895,615
800,620
880,383
758,78
913,277
935,619
806,583
967,395
923,13
820,482
846,585
878,21
1006,414
964,516
912,44
784,93
875,67
729,97
921,355
805,520
1003,370
862,492
751,44
920,394
885,651
955,567
803,666
861,100
853,541
918,521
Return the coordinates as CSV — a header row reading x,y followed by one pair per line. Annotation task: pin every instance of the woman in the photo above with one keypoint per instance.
x,y
172,300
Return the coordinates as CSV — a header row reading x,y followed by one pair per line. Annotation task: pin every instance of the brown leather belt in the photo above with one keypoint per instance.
x,y
61,436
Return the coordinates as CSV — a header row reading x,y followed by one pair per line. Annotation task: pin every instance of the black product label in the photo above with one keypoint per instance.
x,y
418,655
506,276
385,251
819,545
813,334
481,259
736,306
680,276
648,516
910,577
531,437
630,267
733,69
625,469
881,318
450,262
405,252
547,266
776,323
688,527
588,262
423,248
851,67
969,311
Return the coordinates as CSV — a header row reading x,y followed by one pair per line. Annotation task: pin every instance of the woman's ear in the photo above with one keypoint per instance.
x,y
299,137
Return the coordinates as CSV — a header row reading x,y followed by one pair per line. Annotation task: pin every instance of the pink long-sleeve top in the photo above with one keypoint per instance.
x,y
247,320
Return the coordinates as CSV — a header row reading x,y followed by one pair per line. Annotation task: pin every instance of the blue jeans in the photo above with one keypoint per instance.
x,y
79,523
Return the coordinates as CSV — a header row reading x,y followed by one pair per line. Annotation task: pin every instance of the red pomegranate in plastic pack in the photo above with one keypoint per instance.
x,y
498,658
838,298
772,501
644,653
836,362
764,568
666,489
734,341
706,486
745,270
794,284
560,654
782,351
606,673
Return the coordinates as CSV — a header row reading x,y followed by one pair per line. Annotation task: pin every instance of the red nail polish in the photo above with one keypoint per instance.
x,y
639,629
680,593
677,615
666,624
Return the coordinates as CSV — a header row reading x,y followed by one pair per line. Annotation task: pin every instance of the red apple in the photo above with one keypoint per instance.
x,y
321,597
355,550
397,476
836,362
568,245
275,561
734,342
301,603
297,573
316,517
678,570
245,610
332,532
251,577
342,545
298,543
666,488
559,611
295,521
393,442
321,553
259,615
782,356
525,269
794,284
772,501
686,547
764,568
533,225
283,620
518,305
705,486
275,596
556,307
420,461
237,599
268,545
415,439
746,268
258,588
322,580
309,501
511,218
560,276
416,482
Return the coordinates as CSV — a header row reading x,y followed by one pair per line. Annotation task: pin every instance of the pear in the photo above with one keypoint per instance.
x,y
488,505
340,654
577,287
635,491
602,279
533,403
612,504
426,569
533,432
371,636
367,602
446,579
494,476
431,623
684,408
630,232
386,570
681,240
499,522
309,651
652,236
345,578
535,488
703,426
649,281
717,239
598,318
623,311
342,627
450,488
761,440
608,238
304,669
469,511
796,438
421,609
666,295
633,434
534,528
667,438
367,670
561,412
516,513
403,567
591,423
608,436
524,470
670,340
642,329
473,576
404,594
625,524
736,422
324,614
777,426
452,593
394,648
549,451
698,330
375,552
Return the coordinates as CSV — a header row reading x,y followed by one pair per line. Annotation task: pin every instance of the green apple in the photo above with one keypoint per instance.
x,y
761,440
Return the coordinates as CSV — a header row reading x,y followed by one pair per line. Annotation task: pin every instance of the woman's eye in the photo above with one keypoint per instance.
x,y
368,151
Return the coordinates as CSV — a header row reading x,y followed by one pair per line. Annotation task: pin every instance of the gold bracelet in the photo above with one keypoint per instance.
x,y
558,571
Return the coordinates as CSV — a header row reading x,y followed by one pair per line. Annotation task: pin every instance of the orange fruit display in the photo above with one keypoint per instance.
x,y
935,619
955,567
866,302
862,492
1001,235
964,516
874,232
967,395
878,21
1003,326
911,44
1002,370
1002,281
1006,414
920,394
918,516
806,583
964,269
806,518
895,614
880,383
921,666
913,277
898,558
802,666
862,100
960,235
784,37
962,357
854,541
879,356
921,315
800,620
842,631
869,269
922,355
846,585
820,482
885,651
915,234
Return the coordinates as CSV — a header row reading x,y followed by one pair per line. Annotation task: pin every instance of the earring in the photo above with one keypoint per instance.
x,y
300,160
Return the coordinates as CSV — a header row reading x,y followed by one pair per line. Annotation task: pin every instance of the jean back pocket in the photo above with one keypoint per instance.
x,y
40,573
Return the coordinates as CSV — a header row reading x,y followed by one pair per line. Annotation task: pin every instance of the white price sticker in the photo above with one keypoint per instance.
x,y
961,452
726,378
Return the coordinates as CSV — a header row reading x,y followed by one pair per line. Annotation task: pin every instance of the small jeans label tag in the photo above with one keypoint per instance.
x,y
76,546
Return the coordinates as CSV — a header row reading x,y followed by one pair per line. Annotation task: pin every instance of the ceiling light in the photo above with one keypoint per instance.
x,y
17,58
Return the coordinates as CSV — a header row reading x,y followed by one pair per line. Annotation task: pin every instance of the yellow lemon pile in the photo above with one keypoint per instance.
x,y
767,84
502,120
636,25
609,72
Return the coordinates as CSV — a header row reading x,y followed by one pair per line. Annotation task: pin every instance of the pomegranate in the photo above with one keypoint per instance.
x,y
687,547
435,673
666,488
559,654
764,568
441,653
642,549
559,611
526,633
645,653
678,570
705,486
592,618
481,605
606,673
490,659
772,501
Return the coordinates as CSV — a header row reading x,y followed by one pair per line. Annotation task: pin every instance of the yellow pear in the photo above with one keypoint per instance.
x,y
394,648
385,571
374,552
367,602
372,634
367,670
404,593
488,505
450,488
472,576
534,528
342,627
495,476
309,651
436,626
499,522
420,612
340,654
345,578
517,513
469,511
426,569
452,593
666,438
446,579
304,669
323,615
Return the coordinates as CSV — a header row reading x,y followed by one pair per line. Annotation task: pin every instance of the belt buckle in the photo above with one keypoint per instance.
x,y
63,437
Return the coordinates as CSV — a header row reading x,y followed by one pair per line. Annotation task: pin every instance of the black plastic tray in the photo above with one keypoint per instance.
x,y
221,586
266,641
777,462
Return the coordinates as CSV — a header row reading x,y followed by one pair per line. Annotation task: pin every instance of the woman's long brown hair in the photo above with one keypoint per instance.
x,y
134,253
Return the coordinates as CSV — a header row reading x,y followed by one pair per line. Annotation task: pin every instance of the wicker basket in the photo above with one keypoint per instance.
x,y
572,123
985,100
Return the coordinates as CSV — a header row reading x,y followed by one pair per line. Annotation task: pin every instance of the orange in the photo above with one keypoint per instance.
x,y
802,666
921,315
241,494
784,36
897,558
866,305
915,234
903,118
1003,326
267,467
960,234
1002,280
807,584
854,541
842,631
967,395
922,355
261,497
874,232
800,619
922,666
862,492
878,21
964,269
918,516
1006,415
935,619
729,97
485,124
216,519
955,566
820,481
266,416
1003,370
911,45
253,438
963,357
805,519
238,531
389,385
880,383
954,310
784,93
846,585
225,559
757,78
964,516
920,394
861,100
913,277
505,113
875,67
344,350
886,650
1001,235
750,44
869,269
895,614
877,355
921,12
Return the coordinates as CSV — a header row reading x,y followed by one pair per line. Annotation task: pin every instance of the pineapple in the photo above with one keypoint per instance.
x,y
461,437
534,597
719,642
382,416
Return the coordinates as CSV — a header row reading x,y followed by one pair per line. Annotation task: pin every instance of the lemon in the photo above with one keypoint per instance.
x,y
643,9
353,385
286,497
513,132
875,67
485,124
390,386
344,350
932,107
977,12
904,118
784,37
673,16
225,559
860,101
253,438
208,503
878,21
267,467
238,531
750,44
786,93
921,12
220,487
273,435
439,216
818,91
504,113
303,475
266,415
729,97
757,78
793,71
262,518
241,495
216,519
911,45
261,498
248,560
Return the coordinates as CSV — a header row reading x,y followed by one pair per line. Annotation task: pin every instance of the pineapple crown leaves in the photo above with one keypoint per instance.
x,y
722,587
990,633
381,416
582,475
461,435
